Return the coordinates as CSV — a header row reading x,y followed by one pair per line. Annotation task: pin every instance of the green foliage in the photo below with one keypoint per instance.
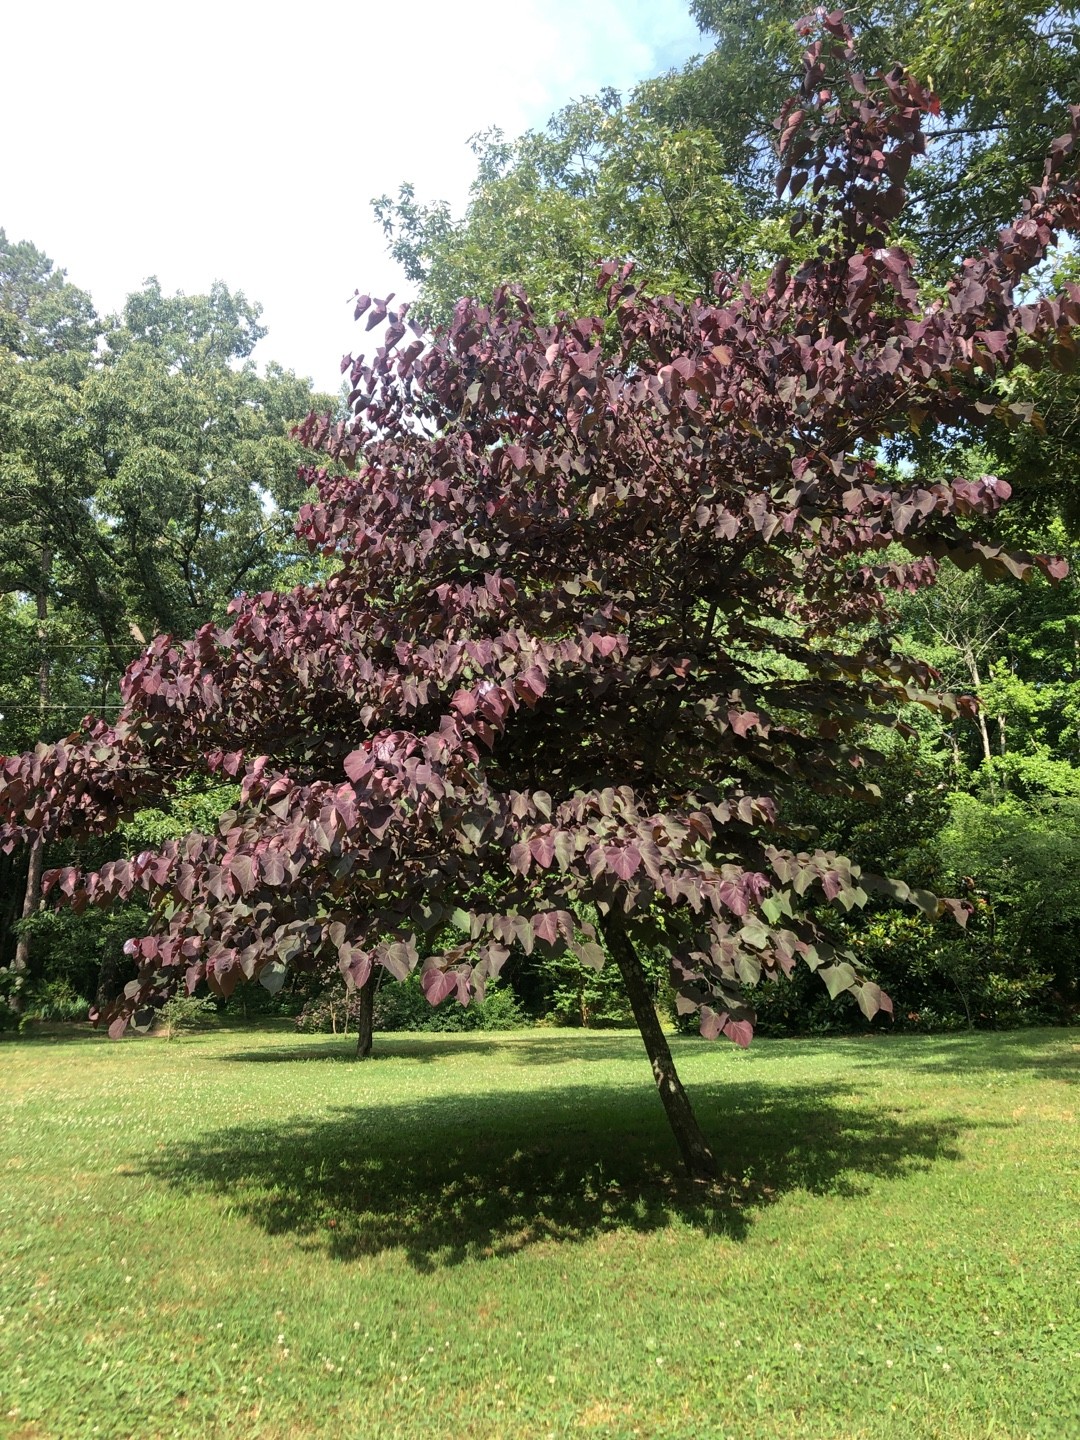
x,y
51,999
679,174
572,993
199,471
331,1011
1004,71
41,312
185,1012
1017,860
1023,858
897,834
604,180
193,805
146,475
941,981
402,1005
74,951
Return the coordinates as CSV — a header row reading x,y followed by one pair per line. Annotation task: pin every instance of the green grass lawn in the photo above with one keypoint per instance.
x,y
245,1233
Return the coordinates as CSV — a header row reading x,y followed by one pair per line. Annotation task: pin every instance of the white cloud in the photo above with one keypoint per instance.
x,y
239,142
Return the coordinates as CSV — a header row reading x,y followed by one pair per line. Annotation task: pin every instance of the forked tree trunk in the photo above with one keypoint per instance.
x,y
365,1017
694,1148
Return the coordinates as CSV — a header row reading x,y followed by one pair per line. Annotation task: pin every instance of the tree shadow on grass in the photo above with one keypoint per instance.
x,y
1053,1053
461,1177
1043,1052
56,1032
520,1047
1050,1053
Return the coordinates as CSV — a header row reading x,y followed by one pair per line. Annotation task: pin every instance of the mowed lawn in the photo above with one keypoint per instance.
x,y
246,1233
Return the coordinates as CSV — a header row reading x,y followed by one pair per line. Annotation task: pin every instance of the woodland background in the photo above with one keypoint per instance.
x,y
148,474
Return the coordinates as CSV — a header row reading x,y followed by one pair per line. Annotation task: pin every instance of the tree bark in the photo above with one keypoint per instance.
x,y
365,1017
31,901
693,1147
12,887
110,981
976,680
32,893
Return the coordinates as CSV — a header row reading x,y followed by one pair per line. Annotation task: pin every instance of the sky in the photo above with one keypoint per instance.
x,y
234,141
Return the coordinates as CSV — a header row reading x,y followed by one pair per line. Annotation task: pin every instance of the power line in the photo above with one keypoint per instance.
x,y
33,705
76,645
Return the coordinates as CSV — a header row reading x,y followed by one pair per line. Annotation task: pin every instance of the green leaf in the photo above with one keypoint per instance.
x,y
837,978
272,976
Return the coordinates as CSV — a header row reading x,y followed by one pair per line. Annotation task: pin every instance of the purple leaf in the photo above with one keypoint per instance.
x,y
438,984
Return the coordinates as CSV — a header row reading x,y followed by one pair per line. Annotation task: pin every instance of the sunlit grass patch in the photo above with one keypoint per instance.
x,y
247,1233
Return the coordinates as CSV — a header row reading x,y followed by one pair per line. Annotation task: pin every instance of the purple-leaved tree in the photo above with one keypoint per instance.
x,y
608,590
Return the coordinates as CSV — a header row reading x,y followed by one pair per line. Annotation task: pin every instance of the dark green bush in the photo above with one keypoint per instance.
x,y
402,1005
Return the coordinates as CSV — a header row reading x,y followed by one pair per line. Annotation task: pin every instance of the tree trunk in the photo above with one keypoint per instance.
x,y
31,901
976,681
697,1157
110,981
32,893
12,886
365,1017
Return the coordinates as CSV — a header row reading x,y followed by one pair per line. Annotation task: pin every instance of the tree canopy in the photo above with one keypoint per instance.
x,y
606,179
601,608
1004,73
678,175
146,469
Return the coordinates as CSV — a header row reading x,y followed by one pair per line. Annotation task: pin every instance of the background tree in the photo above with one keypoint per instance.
x,y
196,476
605,179
1004,73
41,312
679,175
146,475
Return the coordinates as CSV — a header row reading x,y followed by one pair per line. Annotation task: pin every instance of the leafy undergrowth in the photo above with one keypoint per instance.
x,y
248,1234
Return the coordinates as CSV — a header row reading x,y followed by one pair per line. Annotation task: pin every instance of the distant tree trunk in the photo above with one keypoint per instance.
x,y
32,893
365,1017
697,1157
976,680
109,981
12,886
31,901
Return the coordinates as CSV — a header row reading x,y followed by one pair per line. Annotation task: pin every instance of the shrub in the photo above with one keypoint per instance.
x,y
54,999
330,1011
185,1012
402,1005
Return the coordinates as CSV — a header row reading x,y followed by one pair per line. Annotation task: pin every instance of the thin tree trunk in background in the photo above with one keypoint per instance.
x,y
12,886
365,1017
31,901
697,1157
973,671
110,979
32,893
